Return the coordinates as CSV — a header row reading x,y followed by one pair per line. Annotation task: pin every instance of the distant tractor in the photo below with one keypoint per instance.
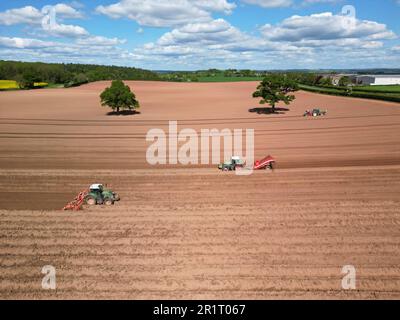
x,y
232,164
315,113
99,195
267,162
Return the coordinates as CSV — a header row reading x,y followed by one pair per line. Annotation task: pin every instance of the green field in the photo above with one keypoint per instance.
x,y
228,79
377,95
387,89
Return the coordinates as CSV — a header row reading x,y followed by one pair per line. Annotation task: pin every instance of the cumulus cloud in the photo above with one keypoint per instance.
x,y
27,14
35,17
325,26
297,41
213,32
100,41
214,43
91,51
306,2
65,30
32,15
270,3
166,13
23,43
68,12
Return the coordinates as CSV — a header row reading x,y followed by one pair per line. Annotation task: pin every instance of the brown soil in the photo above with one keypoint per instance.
x,y
193,232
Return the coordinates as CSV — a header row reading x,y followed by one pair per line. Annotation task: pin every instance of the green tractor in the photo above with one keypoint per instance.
x,y
99,195
231,164
315,113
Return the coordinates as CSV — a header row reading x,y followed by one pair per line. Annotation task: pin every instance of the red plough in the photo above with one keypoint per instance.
x,y
267,162
77,203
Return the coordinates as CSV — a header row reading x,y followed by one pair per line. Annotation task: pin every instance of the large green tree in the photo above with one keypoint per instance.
x,y
275,88
27,79
119,97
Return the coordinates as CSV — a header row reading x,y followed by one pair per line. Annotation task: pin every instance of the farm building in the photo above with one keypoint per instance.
x,y
375,80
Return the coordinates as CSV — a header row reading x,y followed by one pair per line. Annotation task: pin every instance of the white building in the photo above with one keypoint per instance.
x,y
378,80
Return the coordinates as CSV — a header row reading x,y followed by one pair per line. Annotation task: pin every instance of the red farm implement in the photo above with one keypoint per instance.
x,y
265,163
77,203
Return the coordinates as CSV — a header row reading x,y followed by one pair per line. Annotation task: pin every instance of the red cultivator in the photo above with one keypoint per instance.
x,y
77,203
267,162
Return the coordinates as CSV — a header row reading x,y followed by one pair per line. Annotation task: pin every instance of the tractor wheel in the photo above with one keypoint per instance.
x,y
116,197
272,165
108,202
90,201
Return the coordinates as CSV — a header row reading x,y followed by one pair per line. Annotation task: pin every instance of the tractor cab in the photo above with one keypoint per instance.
x,y
97,187
95,195
231,164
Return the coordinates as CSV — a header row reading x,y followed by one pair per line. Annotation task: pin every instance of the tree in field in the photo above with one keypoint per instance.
x,y
344,81
326,81
27,79
275,88
119,97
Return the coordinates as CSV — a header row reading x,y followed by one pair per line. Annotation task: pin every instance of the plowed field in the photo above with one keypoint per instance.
x,y
191,231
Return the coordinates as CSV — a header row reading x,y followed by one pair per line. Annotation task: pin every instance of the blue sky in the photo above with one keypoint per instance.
x,y
201,34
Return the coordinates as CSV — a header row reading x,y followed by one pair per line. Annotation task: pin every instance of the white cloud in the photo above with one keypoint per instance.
x,y
64,30
31,15
166,13
215,43
28,49
27,14
307,2
213,32
338,43
270,3
320,40
100,41
22,43
325,26
66,11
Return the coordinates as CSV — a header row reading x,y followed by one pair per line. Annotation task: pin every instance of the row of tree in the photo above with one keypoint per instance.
x,y
194,76
27,73
316,79
301,77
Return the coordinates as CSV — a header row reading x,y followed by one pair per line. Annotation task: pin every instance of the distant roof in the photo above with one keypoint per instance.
x,y
380,75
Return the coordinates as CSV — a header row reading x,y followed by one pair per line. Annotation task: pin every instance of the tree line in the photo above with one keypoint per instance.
x,y
195,76
27,73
